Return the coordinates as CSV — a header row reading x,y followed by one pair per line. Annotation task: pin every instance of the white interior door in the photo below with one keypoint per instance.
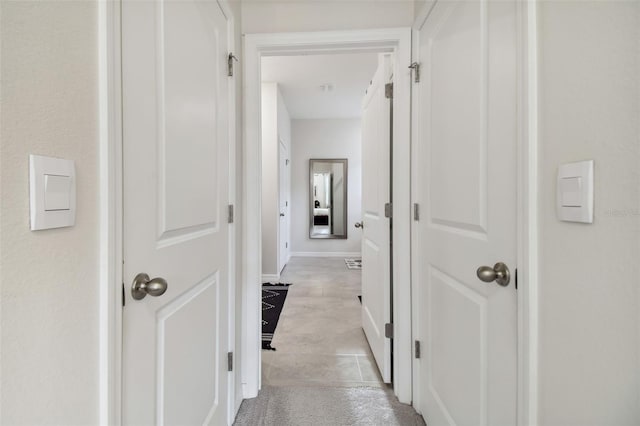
x,y
176,171
283,195
376,232
465,116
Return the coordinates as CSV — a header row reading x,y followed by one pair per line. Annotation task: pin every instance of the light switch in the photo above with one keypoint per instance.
x,y
571,188
575,192
52,192
57,192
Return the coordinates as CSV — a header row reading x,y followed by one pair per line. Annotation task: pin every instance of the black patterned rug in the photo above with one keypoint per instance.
x,y
273,297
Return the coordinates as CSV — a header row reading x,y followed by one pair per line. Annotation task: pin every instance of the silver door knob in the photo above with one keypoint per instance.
x,y
499,273
359,225
143,285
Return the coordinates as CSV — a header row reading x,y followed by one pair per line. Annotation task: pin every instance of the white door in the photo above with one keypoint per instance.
x,y
283,195
465,116
176,171
376,243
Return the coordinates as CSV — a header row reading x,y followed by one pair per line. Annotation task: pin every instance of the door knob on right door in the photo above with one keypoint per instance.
x,y
359,225
499,273
143,285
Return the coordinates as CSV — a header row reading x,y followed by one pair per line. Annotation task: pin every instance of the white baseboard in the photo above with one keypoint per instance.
x,y
266,278
326,254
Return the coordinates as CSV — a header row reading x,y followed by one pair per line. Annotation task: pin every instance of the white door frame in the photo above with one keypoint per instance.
x,y
256,46
527,209
111,213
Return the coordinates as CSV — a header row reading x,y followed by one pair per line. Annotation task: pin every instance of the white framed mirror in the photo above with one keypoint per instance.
x,y
328,198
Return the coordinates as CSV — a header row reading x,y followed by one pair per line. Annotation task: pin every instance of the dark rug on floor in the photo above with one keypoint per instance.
x,y
273,297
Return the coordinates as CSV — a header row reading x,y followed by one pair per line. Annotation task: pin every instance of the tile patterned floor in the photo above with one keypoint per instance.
x,y
319,338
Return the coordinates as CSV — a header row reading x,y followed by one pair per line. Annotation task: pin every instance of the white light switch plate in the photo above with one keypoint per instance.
x,y
52,192
575,192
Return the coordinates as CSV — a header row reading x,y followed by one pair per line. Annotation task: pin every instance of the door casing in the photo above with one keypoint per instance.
x,y
397,40
111,213
527,208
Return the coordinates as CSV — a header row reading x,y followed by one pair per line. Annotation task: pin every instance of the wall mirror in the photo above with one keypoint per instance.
x,y
328,198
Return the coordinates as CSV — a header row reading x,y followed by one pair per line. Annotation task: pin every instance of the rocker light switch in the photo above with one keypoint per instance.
x,y
57,192
575,192
571,188
52,192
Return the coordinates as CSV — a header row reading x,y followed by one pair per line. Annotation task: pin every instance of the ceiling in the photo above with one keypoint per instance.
x,y
301,78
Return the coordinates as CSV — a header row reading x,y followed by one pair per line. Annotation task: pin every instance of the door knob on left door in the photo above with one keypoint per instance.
x,y
143,285
499,273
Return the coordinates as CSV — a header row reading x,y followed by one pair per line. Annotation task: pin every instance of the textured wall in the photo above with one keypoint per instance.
x,y
337,138
590,274
268,16
49,279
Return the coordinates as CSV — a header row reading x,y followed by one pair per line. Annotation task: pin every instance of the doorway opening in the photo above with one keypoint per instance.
x,y
303,265
312,171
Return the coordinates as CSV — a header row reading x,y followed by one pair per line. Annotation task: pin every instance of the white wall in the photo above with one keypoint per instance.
x,y
590,274
268,16
49,295
332,138
276,125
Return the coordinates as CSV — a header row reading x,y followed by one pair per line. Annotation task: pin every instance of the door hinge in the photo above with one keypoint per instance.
x,y
516,278
416,212
417,349
388,330
123,298
388,210
230,361
388,90
286,245
416,69
230,60
230,217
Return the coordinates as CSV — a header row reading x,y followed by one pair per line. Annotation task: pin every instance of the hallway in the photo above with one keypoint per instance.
x,y
322,371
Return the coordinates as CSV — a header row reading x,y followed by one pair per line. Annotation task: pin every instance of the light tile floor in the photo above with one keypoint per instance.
x,y
319,337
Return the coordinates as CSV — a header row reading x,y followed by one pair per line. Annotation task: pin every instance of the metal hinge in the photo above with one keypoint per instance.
x,y
286,245
286,162
123,298
230,217
388,330
516,278
388,210
417,349
388,90
416,211
416,69
230,361
230,60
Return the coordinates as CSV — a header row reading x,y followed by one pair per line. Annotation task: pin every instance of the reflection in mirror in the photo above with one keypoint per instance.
x,y
328,198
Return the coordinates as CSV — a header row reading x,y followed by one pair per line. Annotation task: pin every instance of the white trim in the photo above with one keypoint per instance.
x,y
421,17
326,254
269,278
110,334
527,256
528,216
257,45
232,405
